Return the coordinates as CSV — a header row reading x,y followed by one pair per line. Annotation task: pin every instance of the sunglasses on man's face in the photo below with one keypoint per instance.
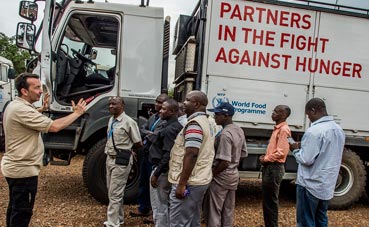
x,y
113,98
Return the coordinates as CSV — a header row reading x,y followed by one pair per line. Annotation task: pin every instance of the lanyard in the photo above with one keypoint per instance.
x,y
111,128
154,125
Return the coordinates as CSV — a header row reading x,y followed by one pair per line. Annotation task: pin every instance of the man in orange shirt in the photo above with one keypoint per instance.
x,y
273,164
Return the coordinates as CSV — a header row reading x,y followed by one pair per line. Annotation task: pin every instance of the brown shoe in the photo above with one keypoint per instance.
x,y
139,214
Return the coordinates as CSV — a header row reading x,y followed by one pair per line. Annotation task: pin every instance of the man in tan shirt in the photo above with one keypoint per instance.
x,y
123,133
273,164
24,148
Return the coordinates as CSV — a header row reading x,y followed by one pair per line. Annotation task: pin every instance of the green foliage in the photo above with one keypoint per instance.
x,y
171,91
9,50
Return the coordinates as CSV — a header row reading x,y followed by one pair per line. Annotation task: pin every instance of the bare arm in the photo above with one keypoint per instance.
x,y
137,146
220,167
63,122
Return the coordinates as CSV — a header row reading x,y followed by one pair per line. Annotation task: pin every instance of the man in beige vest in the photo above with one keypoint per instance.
x,y
24,149
190,165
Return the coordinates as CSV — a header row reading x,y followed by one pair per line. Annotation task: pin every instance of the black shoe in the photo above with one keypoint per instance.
x,y
139,214
148,221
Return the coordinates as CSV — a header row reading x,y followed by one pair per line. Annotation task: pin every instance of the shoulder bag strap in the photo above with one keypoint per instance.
x,y
112,137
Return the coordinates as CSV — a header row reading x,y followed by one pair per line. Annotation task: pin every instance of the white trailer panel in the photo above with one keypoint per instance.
x,y
270,54
241,46
255,100
346,52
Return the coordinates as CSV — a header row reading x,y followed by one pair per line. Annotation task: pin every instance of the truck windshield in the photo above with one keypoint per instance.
x,y
3,72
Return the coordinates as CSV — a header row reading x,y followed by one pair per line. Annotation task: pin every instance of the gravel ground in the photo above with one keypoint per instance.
x,y
62,200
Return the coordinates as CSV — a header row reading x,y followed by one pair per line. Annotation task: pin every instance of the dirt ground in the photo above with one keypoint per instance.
x,y
62,201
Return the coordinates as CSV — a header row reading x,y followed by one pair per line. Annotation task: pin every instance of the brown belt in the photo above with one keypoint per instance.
x,y
112,156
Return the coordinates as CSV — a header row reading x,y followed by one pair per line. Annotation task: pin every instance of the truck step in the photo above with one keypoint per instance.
x,y
60,163
64,140
63,158
59,145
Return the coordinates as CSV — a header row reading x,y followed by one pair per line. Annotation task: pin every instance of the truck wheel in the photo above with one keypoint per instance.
x,y
94,175
350,183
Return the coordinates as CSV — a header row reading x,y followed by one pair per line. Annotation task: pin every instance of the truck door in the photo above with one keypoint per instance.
x,y
46,54
85,46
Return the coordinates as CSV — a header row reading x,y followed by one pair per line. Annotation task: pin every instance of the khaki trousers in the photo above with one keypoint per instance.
x,y
219,206
116,179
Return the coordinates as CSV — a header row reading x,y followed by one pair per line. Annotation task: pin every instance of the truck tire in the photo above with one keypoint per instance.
x,y
350,184
94,175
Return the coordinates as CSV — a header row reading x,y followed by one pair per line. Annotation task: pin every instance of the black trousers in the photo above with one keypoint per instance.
x,y
144,203
22,194
271,181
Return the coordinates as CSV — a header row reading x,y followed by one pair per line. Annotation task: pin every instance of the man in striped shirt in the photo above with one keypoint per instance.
x,y
190,165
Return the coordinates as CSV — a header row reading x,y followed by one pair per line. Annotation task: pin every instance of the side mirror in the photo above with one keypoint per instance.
x,y
28,10
25,35
11,73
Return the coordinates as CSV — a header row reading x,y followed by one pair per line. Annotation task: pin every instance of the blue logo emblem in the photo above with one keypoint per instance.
x,y
218,99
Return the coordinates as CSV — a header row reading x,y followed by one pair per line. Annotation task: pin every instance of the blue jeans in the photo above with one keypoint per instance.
x,y
310,211
22,194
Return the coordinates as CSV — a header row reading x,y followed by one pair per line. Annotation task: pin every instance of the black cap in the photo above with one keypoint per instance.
x,y
223,108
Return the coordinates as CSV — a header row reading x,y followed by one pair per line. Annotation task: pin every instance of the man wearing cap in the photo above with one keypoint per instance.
x,y
231,146
190,163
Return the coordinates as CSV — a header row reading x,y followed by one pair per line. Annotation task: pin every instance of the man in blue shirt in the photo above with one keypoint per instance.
x,y
319,157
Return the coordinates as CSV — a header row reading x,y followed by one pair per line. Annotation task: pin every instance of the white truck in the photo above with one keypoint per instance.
x,y
259,54
95,50
254,54
7,72
7,91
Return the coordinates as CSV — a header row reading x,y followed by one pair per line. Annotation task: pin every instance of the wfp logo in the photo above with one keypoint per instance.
x,y
218,99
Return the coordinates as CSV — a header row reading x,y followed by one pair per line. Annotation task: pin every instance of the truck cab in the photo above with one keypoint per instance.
x,y
95,50
7,91
7,74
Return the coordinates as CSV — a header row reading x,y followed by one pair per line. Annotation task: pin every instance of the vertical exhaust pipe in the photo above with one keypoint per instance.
x,y
166,44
